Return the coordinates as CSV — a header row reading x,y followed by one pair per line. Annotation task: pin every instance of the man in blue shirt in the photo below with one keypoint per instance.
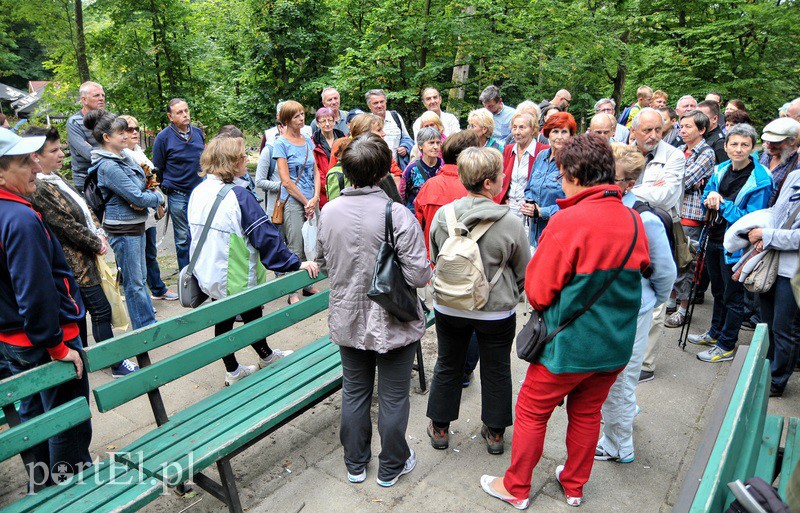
x,y
332,100
491,99
80,140
176,154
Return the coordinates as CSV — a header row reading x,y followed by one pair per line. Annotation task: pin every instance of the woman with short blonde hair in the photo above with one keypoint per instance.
x,y
242,244
482,122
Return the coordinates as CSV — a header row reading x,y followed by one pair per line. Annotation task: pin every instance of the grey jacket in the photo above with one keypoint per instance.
x,y
351,229
786,241
505,241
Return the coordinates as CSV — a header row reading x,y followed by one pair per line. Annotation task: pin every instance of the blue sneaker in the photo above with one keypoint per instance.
x,y
411,462
600,454
123,368
166,296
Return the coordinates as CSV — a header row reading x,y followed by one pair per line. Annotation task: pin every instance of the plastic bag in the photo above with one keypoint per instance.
x,y
108,281
310,238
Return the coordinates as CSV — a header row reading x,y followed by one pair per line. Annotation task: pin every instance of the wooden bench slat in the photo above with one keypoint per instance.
x,y
712,490
791,454
69,496
34,381
42,427
203,412
111,395
213,450
177,443
770,443
169,330
130,490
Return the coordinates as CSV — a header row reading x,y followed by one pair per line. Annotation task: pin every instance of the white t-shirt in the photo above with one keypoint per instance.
x,y
450,122
519,178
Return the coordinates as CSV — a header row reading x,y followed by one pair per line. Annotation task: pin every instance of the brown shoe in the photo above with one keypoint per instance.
x,y
494,441
440,438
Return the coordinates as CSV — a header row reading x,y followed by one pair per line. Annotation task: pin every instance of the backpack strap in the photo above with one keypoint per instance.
x,y
480,229
450,217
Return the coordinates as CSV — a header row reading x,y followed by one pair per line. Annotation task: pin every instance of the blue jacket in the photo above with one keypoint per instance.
x,y
544,187
38,293
656,288
122,181
753,196
178,159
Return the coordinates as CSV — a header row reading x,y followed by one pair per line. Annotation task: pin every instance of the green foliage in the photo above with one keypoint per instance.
x,y
234,59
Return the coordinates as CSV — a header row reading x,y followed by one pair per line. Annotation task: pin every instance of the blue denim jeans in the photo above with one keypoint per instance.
x,y
779,311
728,312
99,308
179,213
71,446
157,286
129,252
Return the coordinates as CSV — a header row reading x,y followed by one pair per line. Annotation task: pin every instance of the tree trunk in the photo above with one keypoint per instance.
x,y
80,46
622,72
461,71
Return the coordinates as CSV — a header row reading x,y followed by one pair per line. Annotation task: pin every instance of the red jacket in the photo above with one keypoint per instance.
x,y
508,168
438,191
323,164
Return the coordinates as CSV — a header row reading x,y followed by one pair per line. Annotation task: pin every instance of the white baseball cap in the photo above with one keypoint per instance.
x,y
12,144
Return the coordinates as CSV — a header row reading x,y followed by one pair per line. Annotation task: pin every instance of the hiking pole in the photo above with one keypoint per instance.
x,y
702,245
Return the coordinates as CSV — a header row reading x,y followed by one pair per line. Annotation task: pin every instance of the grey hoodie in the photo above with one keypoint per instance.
x,y
505,241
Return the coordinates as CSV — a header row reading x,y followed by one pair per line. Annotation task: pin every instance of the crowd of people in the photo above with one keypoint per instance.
x,y
609,234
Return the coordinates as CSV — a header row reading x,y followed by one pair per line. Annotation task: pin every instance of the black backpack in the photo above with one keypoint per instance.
x,y
94,195
663,216
763,494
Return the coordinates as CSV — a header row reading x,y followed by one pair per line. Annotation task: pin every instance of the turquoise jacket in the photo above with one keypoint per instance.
x,y
753,196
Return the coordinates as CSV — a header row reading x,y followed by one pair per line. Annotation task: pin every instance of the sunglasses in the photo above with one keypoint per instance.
x,y
132,129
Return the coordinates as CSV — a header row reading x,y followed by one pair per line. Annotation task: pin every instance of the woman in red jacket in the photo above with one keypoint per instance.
x,y
518,159
575,257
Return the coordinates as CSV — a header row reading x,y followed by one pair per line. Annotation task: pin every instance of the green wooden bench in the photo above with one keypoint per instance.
x,y
741,440
92,490
216,429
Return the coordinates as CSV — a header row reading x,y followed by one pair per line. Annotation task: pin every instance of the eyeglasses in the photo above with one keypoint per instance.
x,y
608,110
132,129
620,180
244,158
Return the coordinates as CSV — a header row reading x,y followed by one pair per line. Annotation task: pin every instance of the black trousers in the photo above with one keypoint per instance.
x,y
261,347
494,340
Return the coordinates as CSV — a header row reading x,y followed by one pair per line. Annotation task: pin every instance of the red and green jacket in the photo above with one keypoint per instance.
x,y
580,248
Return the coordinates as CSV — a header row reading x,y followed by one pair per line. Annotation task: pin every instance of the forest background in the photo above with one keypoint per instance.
x,y
234,59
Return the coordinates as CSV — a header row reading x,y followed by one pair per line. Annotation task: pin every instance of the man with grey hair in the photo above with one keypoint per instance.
x,y
433,102
332,100
502,114
393,125
780,155
660,185
80,140
603,125
793,111
609,106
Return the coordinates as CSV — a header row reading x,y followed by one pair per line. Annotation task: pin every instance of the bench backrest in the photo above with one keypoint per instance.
x,y
730,446
150,377
23,436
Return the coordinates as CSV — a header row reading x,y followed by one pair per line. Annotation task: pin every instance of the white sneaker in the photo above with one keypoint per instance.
x,y
357,478
276,355
411,462
242,372
572,501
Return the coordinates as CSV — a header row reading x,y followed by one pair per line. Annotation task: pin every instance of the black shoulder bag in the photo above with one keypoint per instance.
x,y
389,288
533,337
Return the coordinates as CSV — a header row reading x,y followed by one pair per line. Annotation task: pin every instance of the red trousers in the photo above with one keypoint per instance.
x,y
541,392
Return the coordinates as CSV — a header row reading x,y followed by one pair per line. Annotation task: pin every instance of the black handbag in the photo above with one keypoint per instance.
x,y
389,288
534,337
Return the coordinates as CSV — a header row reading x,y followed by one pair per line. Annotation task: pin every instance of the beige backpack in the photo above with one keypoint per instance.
x,y
459,278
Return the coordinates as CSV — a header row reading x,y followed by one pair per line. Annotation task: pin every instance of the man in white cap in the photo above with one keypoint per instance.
x,y
780,151
40,305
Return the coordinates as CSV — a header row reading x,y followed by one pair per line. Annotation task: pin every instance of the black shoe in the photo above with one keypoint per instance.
x,y
748,325
699,300
645,376
440,438
775,391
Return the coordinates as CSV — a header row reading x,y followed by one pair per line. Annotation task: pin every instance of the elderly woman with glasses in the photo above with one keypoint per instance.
x,y
429,140
323,142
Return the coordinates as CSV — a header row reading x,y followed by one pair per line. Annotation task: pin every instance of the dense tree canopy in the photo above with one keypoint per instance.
x,y
234,59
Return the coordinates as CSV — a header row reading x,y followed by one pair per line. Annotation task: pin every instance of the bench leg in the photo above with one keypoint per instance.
x,y
229,486
421,368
